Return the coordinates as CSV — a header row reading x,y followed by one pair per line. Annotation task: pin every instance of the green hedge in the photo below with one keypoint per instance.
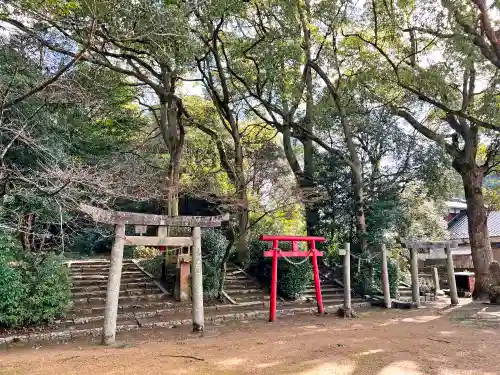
x,y
213,246
34,288
292,279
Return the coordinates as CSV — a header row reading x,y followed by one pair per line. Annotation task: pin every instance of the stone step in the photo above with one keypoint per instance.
x,y
99,264
129,292
329,301
105,273
124,315
230,279
91,280
241,282
94,265
99,270
249,297
126,307
236,273
97,301
231,291
103,286
141,313
324,293
230,286
325,288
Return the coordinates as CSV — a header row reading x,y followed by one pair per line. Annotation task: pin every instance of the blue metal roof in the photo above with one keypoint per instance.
x,y
459,227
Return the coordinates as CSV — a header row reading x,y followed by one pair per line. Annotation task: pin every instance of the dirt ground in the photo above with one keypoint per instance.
x,y
435,341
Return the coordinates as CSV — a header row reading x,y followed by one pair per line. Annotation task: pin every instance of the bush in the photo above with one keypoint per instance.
x,y
213,246
34,289
9,247
292,279
90,242
425,287
12,292
146,252
153,265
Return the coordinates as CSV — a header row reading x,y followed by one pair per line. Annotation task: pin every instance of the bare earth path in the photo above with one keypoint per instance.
x,y
427,341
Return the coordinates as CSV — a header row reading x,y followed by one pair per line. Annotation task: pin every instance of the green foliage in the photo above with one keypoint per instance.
x,y
292,279
9,247
34,289
90,242
394,275
146,252
213,245
12,294
154,265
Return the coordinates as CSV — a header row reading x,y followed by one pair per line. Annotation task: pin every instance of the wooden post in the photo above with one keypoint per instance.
x,y
385,278
451,275
347,281
415,288
183,286
113,291
197,280
435,276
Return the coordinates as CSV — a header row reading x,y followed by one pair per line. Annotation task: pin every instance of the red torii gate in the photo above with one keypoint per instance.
x,y
276,253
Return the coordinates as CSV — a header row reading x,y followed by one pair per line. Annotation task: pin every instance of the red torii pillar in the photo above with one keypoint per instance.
x,y
276,253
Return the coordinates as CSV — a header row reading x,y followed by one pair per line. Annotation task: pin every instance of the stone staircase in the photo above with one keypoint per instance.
x,y
243,289
404,291
141,300
332,294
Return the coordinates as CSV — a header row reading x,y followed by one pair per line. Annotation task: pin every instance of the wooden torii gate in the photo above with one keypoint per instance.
x,y
423,246
141,221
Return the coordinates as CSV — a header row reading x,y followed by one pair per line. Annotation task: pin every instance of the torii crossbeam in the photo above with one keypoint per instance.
x,y
141,221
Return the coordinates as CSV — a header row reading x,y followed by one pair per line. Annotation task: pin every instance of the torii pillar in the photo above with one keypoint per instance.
x,y
120,220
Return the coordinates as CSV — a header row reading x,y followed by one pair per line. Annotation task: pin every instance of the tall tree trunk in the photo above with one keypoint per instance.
x,y
478,228
242,196
359,209
307,184
172,130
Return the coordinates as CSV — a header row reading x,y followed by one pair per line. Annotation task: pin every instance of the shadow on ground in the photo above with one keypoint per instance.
x,y
436,340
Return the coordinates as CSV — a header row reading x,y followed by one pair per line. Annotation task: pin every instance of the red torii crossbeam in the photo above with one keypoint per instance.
x,y
276,253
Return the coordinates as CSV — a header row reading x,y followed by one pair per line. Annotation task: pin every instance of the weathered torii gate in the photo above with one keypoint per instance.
x,y
141,221
423,246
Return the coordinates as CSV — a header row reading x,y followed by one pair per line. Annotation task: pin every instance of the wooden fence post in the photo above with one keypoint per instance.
x,y
385,278
197,280
347,281
451,275
415,287
113,291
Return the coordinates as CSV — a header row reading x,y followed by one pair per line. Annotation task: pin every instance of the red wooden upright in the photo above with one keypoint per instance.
x,y
276,253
